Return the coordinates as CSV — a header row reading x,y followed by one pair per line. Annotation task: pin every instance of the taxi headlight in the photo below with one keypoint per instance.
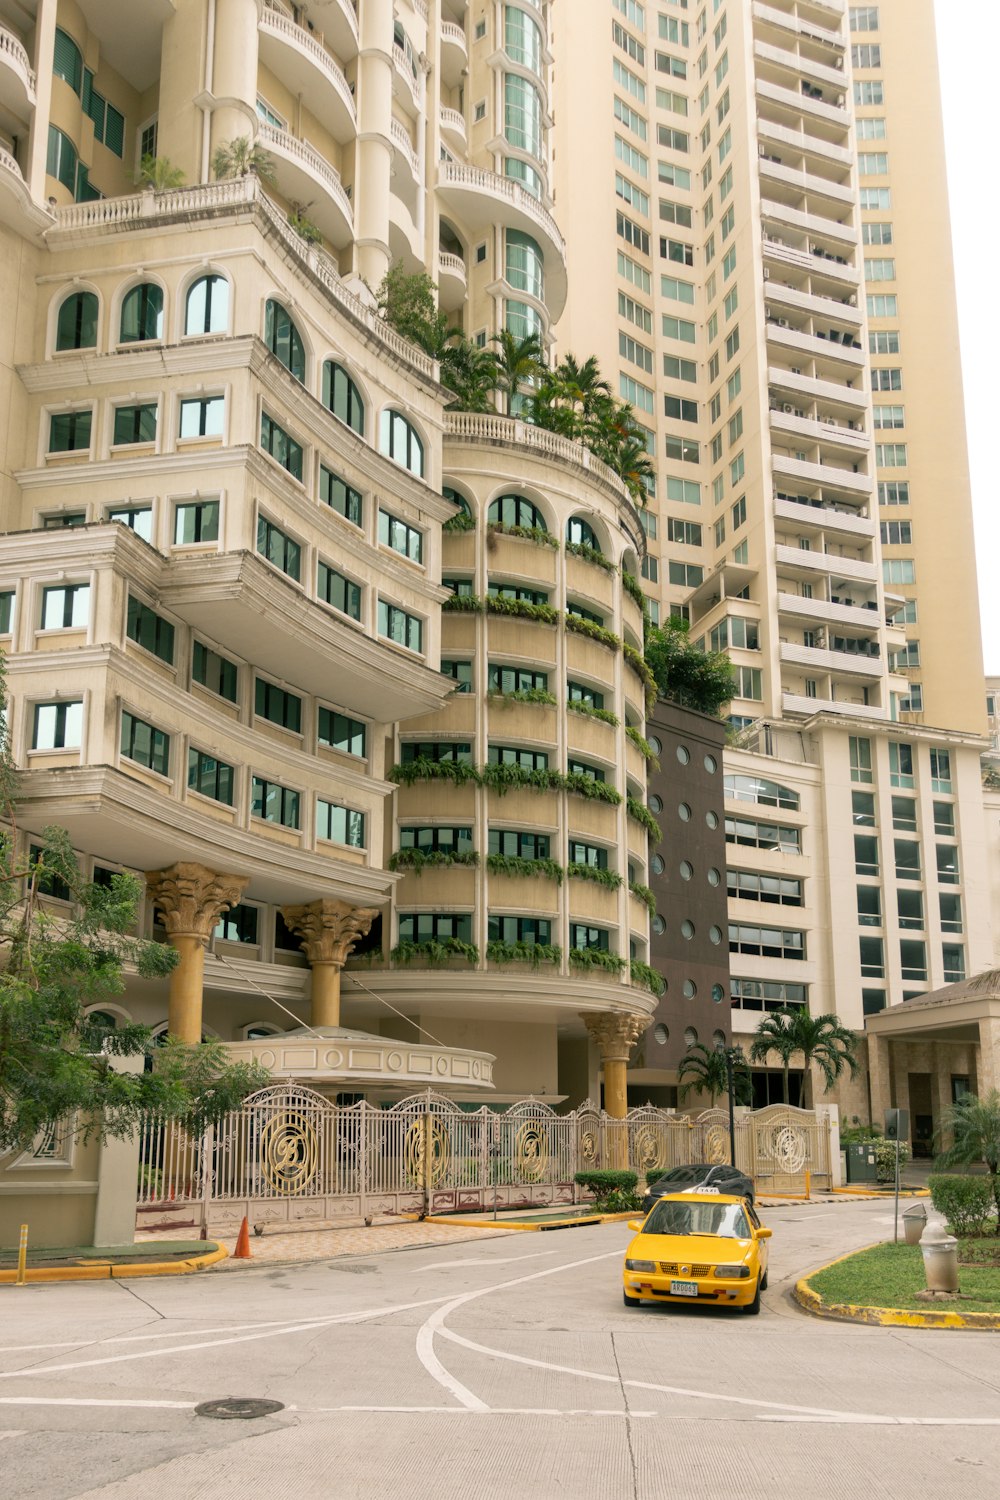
x,y
640,1265
733,1273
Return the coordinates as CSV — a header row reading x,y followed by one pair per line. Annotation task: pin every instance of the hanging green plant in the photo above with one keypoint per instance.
x,y
435,952
610,878
591,555
596,958
463,604
536,534
504,778
641,813
577,706
641,744
523,609
523,953
418,860
646,977
594,791
460,521
644,894
514,864
405,773
632,587
527,695
580,626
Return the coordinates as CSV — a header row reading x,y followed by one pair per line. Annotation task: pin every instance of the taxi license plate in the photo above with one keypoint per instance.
x,y
683,1289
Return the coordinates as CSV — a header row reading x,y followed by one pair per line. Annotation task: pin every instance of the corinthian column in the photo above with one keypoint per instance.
x,y
329,930
191,899
616,1033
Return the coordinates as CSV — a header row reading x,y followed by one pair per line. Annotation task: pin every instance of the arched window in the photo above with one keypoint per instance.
x,y
76,326
207,307
580,533
342,396
457,498
515,510
284,340
142,314
400,441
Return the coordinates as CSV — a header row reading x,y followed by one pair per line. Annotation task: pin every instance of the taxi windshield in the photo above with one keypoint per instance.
x,y
725,1220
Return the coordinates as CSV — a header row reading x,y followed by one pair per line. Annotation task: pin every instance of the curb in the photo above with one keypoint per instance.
x,y
885,1317
573,1223
117,1270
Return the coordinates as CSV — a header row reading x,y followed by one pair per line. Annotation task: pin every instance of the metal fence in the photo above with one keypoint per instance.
x,y
289,1153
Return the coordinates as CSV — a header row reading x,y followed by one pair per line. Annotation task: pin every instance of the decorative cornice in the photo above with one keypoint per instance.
x,y
615,1033
191,898
329,929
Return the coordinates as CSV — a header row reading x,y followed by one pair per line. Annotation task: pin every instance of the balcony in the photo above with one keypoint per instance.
x,y
245,605
798,424
824,516
840,570
811,388
17,78
808,30
832,352
452,280
304,176
813,224
795,178
845,617
453,126
817,660
404,147
336,24
305,66
801,141
795,250
795,703
786,67
454,53
820,305
823,474
477,199
407,82
830,120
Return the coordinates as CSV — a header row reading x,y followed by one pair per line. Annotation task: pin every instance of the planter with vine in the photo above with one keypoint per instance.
x,y
418,860
609,878
536,534
646,978
515,865
590,555
644,894
641,814
597,958
524,953
522,609
407,773
579,626
435,954
602,715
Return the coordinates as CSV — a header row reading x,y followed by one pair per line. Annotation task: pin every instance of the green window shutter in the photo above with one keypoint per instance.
x,y
114,131
67,60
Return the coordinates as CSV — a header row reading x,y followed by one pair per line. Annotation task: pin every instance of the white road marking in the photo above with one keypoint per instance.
x,y
892,1421
87,1401
493,1411
11,1433
435,1324
499,1260
138,1338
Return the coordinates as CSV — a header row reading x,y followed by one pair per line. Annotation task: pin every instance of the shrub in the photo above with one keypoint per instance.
x,y
545,614
434,952
463,604
499,952
515,864
607,1180
596,958
885,1158
460,521
420,859
646,977
966,1202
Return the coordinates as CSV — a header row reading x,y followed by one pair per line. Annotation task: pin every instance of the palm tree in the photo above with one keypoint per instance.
x,y
471,373
239,157
974,1125
821,1040
706,1067
159,173
518,361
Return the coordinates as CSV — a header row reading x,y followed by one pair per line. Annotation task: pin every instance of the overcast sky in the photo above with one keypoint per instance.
x,y
968,55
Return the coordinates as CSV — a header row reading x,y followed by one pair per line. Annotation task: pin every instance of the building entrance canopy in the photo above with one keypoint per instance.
x,y
335,1058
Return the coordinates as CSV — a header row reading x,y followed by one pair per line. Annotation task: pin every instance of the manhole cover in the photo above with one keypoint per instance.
x,y
238,1408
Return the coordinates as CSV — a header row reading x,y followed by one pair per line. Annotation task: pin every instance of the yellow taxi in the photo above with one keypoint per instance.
x,y
698,1247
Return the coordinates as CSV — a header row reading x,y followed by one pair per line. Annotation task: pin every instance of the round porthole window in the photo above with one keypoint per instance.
x,y
690,990
719,1038
683,755
718,993
687,870
657,864
712,819
684,812
687,929
711,764
713,877
715,935
655,804
654,744
690,1037
661,1033
658,924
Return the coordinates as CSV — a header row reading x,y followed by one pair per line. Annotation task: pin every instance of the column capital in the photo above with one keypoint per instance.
x,y
615,1032
192,897
329,929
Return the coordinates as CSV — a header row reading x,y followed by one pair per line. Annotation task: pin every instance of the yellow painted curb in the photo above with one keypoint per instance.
x,y
885,1317
867,1193
108,1270
517,1225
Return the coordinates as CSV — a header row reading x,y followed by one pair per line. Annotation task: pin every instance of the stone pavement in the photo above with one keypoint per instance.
x,y
284,1243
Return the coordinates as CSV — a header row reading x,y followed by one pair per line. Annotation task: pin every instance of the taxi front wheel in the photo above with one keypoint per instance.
x,y
631,1301
753,1307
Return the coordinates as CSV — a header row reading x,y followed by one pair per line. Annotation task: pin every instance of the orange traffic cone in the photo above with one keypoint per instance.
x,y
242,1251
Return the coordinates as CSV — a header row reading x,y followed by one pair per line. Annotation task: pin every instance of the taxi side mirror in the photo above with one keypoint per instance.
x,y
763,1234
635,1225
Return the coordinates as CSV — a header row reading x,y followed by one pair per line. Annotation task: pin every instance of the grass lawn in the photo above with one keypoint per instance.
x,y
890,1276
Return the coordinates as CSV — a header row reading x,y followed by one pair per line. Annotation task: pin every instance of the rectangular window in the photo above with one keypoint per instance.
x,y
66,607
904,814
883,305
873,163
633,273
145,745
913,958
679,409
953,960
680,369
907,854
339,592
871,128
629,44
339,825
684,491
637,354
628,80
277,705
751,835
282,447
203,416
338,731
889,417
687,533
910,910
678,251
675,213
863,809
339,495
891,455
632,195
870,91
898,570
894,492
748,683
210,777
448,750
732,343
864,18
676,290
676,67
768,942
678,328
631,157
633,234
274,803
947,864
671,102
739,513
240,924
866,55
874,233
944,819
869,906
865,854
634,312
134,424
437,839
887,380
950,907
876,198
401,537
872,957
630,118
901,765
214,672
138,518
941,771
149,630
880,270
635,393
57,726
395,624
278,548
69,431
196,521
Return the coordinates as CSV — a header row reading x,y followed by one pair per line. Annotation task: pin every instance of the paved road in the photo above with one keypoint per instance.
x,y
500,1368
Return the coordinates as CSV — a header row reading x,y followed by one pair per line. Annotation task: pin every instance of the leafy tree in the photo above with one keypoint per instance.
x,y
408,303
53,1057
696,679
822,1040
519,360
241,156
706,1068
159,173
974,1127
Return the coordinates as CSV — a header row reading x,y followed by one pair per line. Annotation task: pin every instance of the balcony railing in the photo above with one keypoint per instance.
x,y
12,51
455,174
490,428
275,19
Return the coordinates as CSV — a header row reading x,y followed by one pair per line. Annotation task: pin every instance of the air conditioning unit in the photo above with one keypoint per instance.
x,y
783,323
787,407
767,273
